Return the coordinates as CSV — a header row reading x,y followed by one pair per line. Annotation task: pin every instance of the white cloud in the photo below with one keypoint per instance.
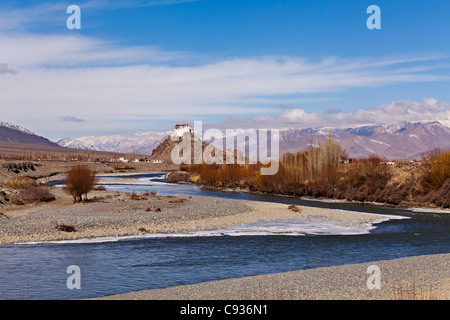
x,y
429,109
4,69
91,78
54,12
70,119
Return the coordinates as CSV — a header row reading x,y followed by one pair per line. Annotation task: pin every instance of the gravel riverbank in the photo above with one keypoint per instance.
x,y
115,214
413,278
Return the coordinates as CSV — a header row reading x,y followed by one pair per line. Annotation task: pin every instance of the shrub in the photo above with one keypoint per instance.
x,y
37,194
440,171
65,228
79,180
135,196
123,166
20,183
294,208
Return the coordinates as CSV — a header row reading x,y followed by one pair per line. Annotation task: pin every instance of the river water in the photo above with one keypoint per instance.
x,y
39,271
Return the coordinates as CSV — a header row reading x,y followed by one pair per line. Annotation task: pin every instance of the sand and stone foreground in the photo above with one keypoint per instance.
x,y
414,278
115,214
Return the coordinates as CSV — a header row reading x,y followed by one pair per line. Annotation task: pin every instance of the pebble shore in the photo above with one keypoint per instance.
x,y
114,214
414,278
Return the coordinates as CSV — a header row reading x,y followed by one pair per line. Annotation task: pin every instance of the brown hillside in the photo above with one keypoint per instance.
x,y
164,149
16,136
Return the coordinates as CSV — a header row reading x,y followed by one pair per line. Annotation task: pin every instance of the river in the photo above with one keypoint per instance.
x,y
40,271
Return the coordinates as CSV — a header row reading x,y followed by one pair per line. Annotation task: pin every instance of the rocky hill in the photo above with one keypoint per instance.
x,y
401,141
164,150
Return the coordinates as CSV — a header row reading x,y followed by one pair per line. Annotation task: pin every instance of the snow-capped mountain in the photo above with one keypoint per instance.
x,y
74,144
14,127
401,141
141,142
16,134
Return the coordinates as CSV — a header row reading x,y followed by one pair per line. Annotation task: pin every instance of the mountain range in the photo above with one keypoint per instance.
x,y
13,133
141,143
402,141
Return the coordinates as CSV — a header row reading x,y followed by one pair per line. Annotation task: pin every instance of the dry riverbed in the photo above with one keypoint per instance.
x,y
110,213
413,278
115,214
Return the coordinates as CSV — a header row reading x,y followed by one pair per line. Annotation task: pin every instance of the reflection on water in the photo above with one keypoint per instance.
x,y
39,271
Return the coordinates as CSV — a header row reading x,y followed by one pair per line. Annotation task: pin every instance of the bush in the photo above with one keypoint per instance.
x,y
294,208
65,228
135,196
440,171
20,183
37,194
79,180
29,191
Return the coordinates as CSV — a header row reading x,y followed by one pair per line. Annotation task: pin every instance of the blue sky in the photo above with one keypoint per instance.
x,y
143,65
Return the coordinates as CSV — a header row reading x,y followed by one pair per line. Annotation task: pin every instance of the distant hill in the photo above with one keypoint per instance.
x,y
401,141
16,134
142,143
164,150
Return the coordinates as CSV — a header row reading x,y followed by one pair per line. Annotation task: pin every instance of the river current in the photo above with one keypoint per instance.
x,y
111,266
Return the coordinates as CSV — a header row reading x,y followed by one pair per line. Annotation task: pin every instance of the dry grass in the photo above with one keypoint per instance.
x,y
320,172
29,191
135,196
413,291
440,170
177,201
32,195
123,167
20,182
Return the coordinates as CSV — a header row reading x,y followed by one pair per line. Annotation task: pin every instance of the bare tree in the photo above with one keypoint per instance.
x,y
79,180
